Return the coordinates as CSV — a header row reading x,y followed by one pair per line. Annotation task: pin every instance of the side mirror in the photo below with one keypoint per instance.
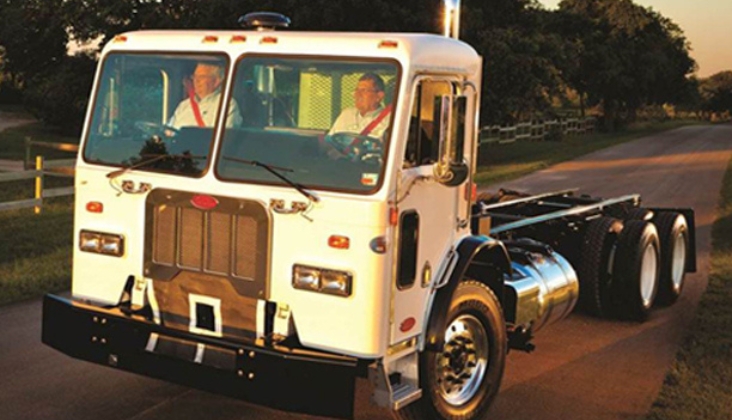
x,y
451,169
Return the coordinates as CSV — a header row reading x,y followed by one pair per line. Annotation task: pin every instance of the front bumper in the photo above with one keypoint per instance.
x,y
280,377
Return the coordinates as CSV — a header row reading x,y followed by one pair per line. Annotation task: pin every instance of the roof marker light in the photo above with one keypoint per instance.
x,y
236,39
268,40
388,44
119,38
210,39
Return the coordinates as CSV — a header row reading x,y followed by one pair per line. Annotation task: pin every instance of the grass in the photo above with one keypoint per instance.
x,y
35,255
699,385
35,252
498,163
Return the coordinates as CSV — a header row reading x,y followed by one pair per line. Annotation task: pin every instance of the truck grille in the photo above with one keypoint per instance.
x,y
230,240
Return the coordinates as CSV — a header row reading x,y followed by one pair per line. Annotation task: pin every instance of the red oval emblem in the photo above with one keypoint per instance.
x,y
204,202
407,324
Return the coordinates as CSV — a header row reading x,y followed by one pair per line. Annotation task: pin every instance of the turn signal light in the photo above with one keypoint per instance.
x,y
339,242
94,207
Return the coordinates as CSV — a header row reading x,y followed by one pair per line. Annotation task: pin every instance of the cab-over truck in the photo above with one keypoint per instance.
x,y
244,257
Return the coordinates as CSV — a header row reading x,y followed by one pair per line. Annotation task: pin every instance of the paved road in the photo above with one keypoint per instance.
x,y
8,120
583,368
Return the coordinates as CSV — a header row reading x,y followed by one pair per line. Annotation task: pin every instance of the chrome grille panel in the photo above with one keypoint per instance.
x,y
231,240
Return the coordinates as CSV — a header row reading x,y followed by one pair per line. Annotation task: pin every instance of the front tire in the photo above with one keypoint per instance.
x,y
461,381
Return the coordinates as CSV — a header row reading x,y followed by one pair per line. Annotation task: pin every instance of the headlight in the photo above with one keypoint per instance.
x,y
101,243
322,280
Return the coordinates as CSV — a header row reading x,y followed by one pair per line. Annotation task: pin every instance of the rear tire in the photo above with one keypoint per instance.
x,y
594,269
673,232
461,381
636,270
639,213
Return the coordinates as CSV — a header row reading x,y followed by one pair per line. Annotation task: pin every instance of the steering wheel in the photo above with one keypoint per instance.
x,y
156,130
356,147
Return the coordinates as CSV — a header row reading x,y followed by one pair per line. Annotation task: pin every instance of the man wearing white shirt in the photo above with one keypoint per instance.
x,y
368,118
368,97
201,107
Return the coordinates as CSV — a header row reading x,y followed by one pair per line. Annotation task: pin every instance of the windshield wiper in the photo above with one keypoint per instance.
x,y
274,171
156,157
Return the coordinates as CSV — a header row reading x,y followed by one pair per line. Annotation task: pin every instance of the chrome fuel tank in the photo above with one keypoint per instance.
x,y
544,284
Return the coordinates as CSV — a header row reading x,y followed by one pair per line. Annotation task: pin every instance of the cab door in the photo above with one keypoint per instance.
x,y
431,215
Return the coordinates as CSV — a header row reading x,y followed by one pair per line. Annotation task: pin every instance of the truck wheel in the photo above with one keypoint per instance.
x,y
639,213
673,232
594,271
636,270
461,381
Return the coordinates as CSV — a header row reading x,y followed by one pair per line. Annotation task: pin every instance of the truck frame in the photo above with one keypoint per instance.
x,y
273,260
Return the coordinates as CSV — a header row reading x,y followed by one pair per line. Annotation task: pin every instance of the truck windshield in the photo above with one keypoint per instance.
x,y
326,120
157,112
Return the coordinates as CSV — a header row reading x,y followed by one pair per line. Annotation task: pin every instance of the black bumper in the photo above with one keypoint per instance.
x,y
279,377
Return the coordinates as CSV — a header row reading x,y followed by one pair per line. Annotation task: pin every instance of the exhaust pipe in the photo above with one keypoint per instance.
x,y
452,19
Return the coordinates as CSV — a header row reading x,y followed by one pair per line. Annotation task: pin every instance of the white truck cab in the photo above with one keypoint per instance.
x,y
243,225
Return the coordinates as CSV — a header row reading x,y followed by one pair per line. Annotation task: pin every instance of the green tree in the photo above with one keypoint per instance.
x,y
716,92
629,56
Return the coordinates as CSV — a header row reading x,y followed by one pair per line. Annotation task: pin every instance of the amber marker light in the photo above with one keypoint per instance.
x,y
210,39
94,207
339,242
268,40
237,39
120,39
393,216
388,44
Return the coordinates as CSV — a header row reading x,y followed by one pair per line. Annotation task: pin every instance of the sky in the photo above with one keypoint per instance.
x,y
707,25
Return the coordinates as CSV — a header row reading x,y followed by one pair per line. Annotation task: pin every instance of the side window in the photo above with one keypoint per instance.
x,y
408,244
422,143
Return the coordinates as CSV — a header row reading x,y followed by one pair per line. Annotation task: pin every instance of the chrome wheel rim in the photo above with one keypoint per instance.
x,y
649,275
463,362
678,261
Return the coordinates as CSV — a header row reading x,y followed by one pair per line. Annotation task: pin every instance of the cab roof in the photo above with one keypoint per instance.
x,y
419,52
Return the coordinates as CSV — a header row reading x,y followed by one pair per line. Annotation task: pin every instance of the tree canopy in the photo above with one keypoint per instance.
x,y
615,55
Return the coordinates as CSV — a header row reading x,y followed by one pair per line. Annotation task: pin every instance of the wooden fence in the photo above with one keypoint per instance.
x,y
535,130
38,171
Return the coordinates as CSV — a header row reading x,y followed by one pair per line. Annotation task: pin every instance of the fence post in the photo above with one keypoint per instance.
x,y
26,162
39,183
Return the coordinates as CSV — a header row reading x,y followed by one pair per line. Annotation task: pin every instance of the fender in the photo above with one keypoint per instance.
x,y
479,257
